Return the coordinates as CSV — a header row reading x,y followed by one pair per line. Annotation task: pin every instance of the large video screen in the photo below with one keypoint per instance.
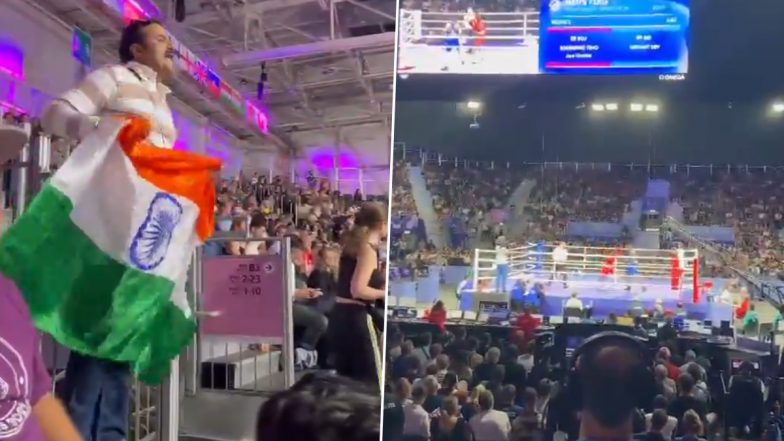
x,y
517,37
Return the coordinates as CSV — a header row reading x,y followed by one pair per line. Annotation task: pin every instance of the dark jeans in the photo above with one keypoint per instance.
x,y
97,395
314,322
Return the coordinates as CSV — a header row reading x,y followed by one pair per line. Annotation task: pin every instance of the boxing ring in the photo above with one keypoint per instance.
x,y
510,46
608,280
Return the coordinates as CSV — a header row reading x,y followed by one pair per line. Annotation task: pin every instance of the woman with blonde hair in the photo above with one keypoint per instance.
x,y
353,335
691,426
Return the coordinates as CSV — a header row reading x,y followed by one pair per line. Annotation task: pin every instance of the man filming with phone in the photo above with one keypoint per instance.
x,y
305,314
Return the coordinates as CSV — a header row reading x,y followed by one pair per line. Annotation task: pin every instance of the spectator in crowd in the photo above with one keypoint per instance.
x,y
486,371
528,425
489,424
450,426
610,388
692,426
324,278
305,313
394,413
669,424
133,87
416,425
432,398
746,401
31,412
360,285
657,424
686,401
321,407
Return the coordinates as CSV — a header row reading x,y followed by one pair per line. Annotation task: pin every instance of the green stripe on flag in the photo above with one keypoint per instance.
x,y
86,300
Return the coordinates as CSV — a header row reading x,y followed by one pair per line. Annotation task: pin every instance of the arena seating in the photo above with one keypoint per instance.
x,y
434,377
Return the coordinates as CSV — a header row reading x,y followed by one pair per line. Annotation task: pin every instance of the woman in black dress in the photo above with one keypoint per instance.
x,y
354,337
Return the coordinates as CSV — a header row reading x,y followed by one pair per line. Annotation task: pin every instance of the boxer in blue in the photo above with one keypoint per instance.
x,y
452,45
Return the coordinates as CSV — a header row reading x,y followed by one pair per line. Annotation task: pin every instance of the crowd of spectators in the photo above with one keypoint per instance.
x,y
252,210
751,202
470,385
565,196
471,201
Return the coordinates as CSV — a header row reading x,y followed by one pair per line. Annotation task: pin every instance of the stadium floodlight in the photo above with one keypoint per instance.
x,y
611,106
637,107
596,107
651,107
473,105
778,107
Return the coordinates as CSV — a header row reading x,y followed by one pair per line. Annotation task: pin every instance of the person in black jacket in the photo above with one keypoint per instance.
x,y
325,278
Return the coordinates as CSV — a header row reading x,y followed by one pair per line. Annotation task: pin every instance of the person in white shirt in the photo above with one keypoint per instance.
x,y
660,403
489,424
574,302
501,265
133,87
560,256
416,421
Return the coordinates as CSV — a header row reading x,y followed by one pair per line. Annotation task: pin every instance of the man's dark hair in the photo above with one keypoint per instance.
x,y
258,220
613,381
132,34
658,420
321,407
685,384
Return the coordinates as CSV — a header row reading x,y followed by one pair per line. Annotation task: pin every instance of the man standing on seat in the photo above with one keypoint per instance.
x,y
96,390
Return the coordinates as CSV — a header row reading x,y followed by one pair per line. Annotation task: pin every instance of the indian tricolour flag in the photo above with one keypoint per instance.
x,y
102,253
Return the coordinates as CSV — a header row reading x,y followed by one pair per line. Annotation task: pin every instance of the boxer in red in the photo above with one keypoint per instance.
x,y
477,25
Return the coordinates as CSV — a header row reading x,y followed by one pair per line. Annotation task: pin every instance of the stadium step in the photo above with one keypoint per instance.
x,y
424,204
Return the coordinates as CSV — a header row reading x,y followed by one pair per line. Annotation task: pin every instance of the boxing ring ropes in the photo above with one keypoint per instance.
x,y
422,29
639,271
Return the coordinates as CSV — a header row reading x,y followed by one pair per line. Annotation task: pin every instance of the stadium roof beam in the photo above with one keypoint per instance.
x,y
201,18
309,49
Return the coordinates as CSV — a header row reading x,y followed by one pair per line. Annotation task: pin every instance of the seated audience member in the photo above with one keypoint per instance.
x,y
422,350
692,427
671,423
664,357
664,384
416,425
700,387
394,416
433,400
506,401
489,424
448,382
686,402
407,365
305,314
484,372
449,426
325,279
774,426
657,422
321,407
258,233
28,409
471,407
528,425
